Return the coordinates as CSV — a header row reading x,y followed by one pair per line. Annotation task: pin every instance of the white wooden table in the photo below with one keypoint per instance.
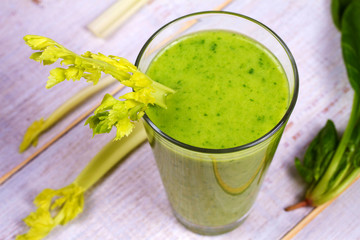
x,y
130,203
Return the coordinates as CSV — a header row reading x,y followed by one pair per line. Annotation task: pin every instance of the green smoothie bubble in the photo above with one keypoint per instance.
x,y
230,90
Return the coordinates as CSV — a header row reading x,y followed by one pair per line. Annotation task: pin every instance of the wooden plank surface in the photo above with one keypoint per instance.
x,y
130,203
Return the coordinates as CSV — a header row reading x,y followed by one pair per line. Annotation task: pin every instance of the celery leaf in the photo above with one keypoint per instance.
x,y
54,207
119,113
114,112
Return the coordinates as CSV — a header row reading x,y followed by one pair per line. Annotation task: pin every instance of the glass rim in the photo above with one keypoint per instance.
x,y
259,140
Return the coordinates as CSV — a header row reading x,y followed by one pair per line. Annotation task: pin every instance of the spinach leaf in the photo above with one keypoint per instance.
x,y
337,10
318,154
330,167
350,43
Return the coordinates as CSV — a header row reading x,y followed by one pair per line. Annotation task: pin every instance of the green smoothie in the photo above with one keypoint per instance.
x,y
230,91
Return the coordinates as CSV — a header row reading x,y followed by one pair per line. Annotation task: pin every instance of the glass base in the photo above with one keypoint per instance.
x,y
206,230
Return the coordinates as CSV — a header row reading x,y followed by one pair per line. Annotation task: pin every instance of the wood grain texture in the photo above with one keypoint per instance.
x,y
312,215
130,203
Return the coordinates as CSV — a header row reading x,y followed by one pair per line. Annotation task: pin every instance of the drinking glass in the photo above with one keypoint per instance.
x,y
211,191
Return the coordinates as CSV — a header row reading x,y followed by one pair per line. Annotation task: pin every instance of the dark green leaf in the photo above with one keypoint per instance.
x,y
310,155
350,42
328,141
318,154
324,143
305,173
320,169
337,10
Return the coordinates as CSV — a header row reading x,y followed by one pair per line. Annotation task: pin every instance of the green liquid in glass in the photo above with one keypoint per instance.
x,y
230,90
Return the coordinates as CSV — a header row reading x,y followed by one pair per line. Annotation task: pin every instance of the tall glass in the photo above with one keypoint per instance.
x,y
211,191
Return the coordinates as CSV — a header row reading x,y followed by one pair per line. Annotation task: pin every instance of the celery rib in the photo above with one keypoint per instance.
x,y
58,207
109,156
40,126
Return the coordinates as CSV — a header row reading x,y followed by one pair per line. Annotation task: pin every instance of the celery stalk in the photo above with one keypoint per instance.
x,y
109,156
58,207
40,126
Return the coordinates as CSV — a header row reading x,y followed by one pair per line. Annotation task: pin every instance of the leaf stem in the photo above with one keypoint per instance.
x,y
338,189
161,93
109,156
301,204
321,187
